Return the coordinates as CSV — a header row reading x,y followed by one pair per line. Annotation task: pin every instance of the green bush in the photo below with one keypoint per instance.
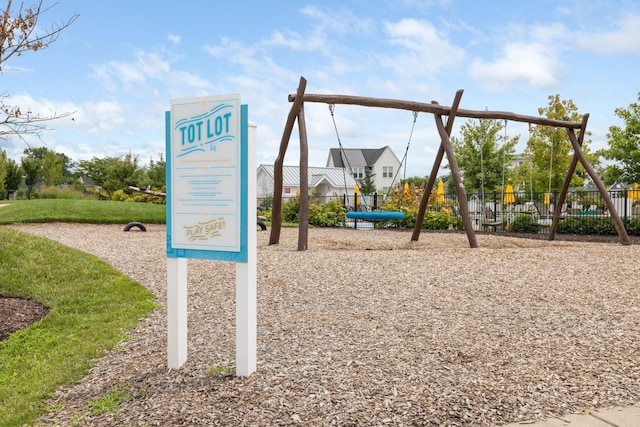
x,y
523,224
119,196
439,220
594,226
329,214
266,214
291,210
633,227
53,192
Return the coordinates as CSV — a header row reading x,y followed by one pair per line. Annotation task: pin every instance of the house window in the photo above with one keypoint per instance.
x,y
387,171
358,173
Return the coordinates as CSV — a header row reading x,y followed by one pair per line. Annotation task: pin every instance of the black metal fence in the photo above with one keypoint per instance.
x,y
497,211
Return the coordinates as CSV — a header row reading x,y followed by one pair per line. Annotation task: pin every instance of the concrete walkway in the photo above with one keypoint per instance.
x,y
616,417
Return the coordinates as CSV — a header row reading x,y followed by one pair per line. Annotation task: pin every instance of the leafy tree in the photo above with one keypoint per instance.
x,y
624,147
113,173
123,172
482,160
52,169
13,177
367,184
156,173
61,162
21,32
416,181
3,172
550,149
96,169
33,171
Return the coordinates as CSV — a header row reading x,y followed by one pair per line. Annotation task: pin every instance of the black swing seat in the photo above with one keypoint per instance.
x,y
375,216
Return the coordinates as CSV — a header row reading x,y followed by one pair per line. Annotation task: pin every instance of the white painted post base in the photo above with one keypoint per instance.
x,y
176,312
246,319
246,276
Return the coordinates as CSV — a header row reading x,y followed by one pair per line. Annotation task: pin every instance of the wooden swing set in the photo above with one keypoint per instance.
x,y
297,111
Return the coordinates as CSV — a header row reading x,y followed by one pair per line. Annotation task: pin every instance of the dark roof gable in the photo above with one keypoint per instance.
x,y
356,157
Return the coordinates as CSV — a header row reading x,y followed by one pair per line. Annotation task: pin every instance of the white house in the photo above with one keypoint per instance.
x,y
382,162
323,182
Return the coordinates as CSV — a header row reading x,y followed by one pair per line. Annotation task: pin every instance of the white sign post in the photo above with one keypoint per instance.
x,y
211,212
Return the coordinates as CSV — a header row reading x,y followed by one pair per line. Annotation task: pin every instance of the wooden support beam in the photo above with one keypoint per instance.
x,y
617,222
276,209
422,208
455,174
432,108
567,181
303,222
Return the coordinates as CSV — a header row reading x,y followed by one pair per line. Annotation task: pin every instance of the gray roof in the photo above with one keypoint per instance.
x,y
356,157
335,176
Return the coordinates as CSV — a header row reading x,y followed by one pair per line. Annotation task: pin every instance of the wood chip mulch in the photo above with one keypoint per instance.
x,y
367,328
18,313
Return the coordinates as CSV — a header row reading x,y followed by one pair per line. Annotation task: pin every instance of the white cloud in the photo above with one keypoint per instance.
x,y
421,49
175,39
101,116
532,64
339,22
137,77
625,39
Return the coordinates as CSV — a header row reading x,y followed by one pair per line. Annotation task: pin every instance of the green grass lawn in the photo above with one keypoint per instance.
x,y
80,210
92,306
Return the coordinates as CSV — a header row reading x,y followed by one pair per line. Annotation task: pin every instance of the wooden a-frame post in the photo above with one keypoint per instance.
x,y
462,196
276,208
303,221
578,155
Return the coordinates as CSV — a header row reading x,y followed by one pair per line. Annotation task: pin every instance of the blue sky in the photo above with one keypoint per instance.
x,y
119,65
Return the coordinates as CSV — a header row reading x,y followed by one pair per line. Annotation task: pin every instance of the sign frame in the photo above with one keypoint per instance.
x,y
177,250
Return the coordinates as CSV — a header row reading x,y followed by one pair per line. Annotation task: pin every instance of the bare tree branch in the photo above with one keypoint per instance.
x,y
17,36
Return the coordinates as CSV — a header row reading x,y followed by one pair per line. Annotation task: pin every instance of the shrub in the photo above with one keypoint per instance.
x,y
266,214
633,227
119,196
440,220
523,224
329,214
291,210
53,192
595,226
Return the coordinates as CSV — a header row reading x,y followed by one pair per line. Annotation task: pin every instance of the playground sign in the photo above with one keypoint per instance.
x,y
205,190
211,211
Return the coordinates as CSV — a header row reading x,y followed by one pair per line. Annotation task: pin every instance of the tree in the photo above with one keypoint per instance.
x,y
416,181
113,173
32,169
21,32
624,147
3,172
550,150
52,169
62,161
14,174
481,159
157,174
96,169
367,184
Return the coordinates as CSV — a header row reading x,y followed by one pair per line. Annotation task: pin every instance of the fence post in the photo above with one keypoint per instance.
x,y
495,205
626,200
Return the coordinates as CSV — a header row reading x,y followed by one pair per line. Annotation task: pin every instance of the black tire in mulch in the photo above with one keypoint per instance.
x,y
131,225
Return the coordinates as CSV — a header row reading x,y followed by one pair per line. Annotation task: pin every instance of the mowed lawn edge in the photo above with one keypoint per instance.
x,y
92,306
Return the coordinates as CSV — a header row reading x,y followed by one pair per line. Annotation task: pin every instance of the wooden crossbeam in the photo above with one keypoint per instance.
x,y
433,108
